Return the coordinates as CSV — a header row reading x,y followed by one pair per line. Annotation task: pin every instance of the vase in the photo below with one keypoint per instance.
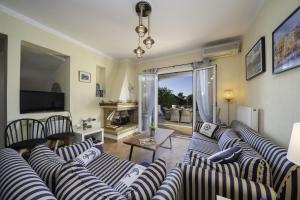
x,y
152,132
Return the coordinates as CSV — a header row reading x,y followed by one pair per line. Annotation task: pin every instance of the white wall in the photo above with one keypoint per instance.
x,y
276,95
83,101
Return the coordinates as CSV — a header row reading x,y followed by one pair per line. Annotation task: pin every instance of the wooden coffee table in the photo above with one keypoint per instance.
x,y
160,137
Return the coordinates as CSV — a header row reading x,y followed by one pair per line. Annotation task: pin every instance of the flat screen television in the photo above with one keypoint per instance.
x,y
35,101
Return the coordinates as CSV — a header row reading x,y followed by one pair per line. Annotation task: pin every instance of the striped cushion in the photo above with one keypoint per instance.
x,y
228,139
75,182
18,181
198,126
88,156
253,166
72,151
122,185
232,169
46,164
218,133
170,189
226,156
110,169
204,184
203,144
101,165
281,168
148,183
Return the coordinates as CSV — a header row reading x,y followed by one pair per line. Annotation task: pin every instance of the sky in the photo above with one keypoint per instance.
x,y
178,84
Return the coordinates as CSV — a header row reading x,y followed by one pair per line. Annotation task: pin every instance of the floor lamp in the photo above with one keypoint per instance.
x,y
228,95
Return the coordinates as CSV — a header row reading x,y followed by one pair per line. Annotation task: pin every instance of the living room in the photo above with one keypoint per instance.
x,y
104,84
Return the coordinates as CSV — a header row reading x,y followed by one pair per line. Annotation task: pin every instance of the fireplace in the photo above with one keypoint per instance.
x,y
120,119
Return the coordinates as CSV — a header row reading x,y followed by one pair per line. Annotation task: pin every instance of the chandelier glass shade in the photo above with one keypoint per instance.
x,y
143,10
141,30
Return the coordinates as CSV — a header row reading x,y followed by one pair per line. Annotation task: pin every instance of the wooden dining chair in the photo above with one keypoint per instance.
x,y
59,128
24,134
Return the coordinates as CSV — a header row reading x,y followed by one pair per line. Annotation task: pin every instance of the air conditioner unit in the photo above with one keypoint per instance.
x,y
221,50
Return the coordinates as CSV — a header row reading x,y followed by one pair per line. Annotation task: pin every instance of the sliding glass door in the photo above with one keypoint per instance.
x,y
148,85
205,94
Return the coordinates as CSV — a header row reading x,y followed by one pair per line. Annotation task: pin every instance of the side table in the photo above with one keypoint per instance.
x,y
96,133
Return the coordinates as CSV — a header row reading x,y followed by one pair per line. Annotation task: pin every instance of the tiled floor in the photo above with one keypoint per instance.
x,y
172,156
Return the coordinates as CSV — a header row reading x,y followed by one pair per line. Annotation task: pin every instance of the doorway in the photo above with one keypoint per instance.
x,y
162,105
175,102
3,86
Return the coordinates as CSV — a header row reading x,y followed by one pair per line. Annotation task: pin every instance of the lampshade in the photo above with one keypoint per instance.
x,y
294,148
228,94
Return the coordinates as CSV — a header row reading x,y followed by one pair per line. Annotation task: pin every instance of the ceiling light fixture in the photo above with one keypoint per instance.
x,y
143,9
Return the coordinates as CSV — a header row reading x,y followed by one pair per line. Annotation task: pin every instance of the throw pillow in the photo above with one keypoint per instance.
x,y
146,185
218,133
228,139
75,182
198,126
72,151
129,178
208,129
226,156
232,169
46,164
253,166
88,156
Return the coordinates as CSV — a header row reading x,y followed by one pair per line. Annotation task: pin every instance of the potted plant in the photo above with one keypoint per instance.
x,y
152,130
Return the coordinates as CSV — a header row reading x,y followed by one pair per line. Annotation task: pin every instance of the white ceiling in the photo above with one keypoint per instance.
x,y
178,26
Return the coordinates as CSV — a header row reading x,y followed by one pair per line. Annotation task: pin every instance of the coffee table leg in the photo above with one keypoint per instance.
x,y
170,142
130,153
153,156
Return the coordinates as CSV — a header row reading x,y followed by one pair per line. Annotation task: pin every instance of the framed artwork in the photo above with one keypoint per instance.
x,y
255,60
84,77
286,44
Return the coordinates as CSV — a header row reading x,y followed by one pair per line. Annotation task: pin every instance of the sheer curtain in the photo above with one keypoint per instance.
x,y
147,100
204,92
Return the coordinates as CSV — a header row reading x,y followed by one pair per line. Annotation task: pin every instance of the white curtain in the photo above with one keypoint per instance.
x,y
204,91
147,100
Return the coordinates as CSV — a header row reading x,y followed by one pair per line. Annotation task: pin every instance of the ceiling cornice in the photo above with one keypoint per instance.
x,y
53,31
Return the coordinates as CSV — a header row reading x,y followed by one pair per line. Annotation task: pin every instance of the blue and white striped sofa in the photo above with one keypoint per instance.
x,y
206,184
18,180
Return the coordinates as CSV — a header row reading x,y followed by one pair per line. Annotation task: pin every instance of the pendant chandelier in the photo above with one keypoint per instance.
x,y
143,10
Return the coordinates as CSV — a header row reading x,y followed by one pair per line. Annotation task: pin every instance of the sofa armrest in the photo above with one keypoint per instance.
x,y
199,183
18,180
171,187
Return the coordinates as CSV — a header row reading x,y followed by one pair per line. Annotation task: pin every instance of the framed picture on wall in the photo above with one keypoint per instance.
x,y
255,60
84,77
286,44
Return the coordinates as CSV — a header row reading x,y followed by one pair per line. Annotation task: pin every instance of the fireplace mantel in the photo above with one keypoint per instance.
x,y
118,131
119,106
